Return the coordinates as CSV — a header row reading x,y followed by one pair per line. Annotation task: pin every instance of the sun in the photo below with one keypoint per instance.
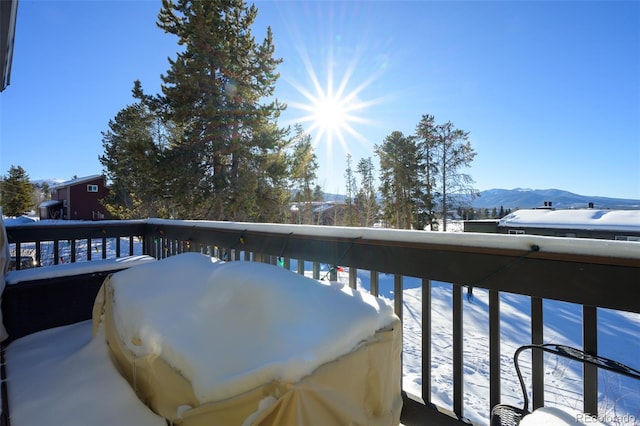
x,y
330,111
331,115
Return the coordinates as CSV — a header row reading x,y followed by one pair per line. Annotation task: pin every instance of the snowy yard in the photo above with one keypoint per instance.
x,y
617,335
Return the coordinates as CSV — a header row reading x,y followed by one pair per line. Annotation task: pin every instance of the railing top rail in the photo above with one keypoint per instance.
x,y
69,229
73,223
601,273
587,272
578,247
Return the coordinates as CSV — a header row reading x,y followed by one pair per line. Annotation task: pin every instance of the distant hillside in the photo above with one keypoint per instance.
x,y
530,198
334,197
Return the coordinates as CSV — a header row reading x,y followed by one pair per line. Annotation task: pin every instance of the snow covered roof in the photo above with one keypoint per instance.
x,y
76,181
586,219
50,203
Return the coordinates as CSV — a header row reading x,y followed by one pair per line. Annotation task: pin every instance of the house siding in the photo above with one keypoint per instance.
x,y
78,202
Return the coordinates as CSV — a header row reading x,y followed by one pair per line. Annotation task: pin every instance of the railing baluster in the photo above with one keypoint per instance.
x,y
104,247
494,348
537,357
301,266
426,340
333,273
18,257
56,252
353,277
374,282
397,306
458,361
397,295
316,270
38,254
590,371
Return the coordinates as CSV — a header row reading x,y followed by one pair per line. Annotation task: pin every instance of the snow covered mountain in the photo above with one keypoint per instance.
x,y
531,198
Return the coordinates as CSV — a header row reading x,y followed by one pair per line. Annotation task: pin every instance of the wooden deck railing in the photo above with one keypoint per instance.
x,y
591,273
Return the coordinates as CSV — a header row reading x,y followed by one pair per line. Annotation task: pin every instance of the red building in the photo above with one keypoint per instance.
x,y
77,199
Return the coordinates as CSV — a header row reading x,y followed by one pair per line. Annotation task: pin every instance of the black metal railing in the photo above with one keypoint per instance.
x,y
591,273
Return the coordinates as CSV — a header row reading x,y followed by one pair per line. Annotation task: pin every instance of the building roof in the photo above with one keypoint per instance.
x,y
76,181
8,14
50,203
585,219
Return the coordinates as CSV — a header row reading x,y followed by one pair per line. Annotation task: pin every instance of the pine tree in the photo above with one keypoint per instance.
x,y
213,92
273,184
426,133
133,165
304,165
318,193
367,194
16,192
399,180
351,190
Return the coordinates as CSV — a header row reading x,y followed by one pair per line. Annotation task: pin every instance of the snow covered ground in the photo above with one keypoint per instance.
x,y
618,337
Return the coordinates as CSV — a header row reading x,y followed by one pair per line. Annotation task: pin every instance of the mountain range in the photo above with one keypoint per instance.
x,y
518,198
531,198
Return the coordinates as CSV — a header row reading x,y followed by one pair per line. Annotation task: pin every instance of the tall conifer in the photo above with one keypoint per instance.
x,y
16,192
214,91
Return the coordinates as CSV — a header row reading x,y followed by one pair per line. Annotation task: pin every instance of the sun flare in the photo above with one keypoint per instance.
x,y
330,113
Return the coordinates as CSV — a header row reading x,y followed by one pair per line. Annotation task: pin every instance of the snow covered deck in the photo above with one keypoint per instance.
x,y
528,274
229,330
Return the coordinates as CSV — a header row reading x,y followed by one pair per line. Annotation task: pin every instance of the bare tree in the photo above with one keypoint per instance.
x,y
453,154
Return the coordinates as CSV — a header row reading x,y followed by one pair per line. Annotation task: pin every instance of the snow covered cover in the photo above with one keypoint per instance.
x,y
589,219
267,323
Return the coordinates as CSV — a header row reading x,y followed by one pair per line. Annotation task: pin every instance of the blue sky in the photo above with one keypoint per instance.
x,y
549,91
